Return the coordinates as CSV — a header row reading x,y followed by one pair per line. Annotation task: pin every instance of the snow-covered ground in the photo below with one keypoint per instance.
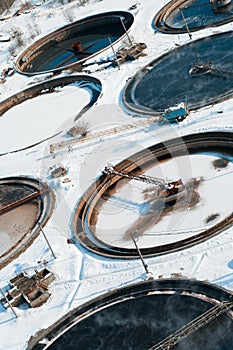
x,y
81,275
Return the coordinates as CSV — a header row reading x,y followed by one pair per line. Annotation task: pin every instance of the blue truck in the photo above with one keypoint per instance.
x,y
176,113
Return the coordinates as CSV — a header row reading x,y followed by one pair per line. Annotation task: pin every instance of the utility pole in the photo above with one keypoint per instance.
x,y
140,254
114,52
46,240
123,25
5,297
186,24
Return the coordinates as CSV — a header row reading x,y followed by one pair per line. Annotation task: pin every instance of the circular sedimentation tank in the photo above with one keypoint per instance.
x,y
168,80
57,50
144,315
30,135
180,16
114,210
26,204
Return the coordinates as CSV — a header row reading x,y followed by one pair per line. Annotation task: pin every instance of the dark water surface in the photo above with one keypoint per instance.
x,y
168,81
139,323
198,13
56,51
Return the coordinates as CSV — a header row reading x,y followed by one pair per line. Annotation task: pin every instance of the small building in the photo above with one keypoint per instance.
x,y
74,131
31,290
129,54
58,172
80,129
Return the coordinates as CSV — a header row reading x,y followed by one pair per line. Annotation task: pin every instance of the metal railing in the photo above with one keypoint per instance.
x,y
193,326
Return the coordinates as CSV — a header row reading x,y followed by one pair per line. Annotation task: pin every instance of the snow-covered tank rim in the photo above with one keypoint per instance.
x,y
221,142
203,293
133,105
45,198
47,87
64,33
159,21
